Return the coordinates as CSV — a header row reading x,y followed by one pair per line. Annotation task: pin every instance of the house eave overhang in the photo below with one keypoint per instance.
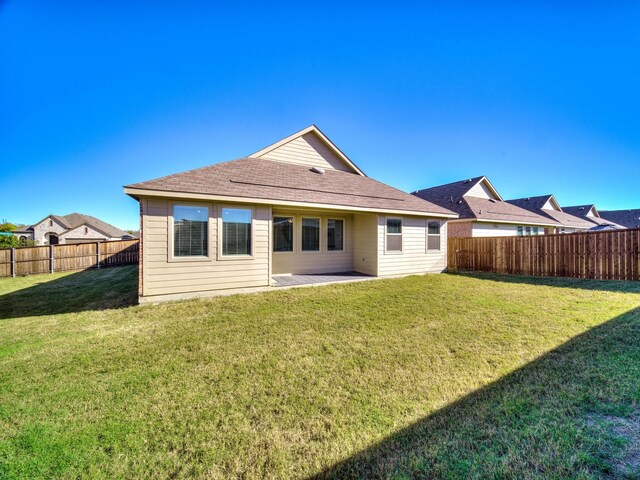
x,y
142,192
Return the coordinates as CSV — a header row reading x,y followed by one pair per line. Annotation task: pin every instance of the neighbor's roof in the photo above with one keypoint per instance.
x,y
282,183
74,220
535,204
627,218
452,196
582,211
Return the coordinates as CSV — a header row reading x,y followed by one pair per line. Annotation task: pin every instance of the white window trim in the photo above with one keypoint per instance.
x,y
344,234
295,223
427,235
171,258
401,234
226,258
320,233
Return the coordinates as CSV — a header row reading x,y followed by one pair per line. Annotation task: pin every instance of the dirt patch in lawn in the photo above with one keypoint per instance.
x,y
627,465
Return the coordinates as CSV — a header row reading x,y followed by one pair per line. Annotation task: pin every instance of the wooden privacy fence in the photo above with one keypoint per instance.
x,y
607,255
60,258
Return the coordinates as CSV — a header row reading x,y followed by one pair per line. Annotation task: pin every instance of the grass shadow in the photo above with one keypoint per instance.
x,y
560,282
106,288
536,422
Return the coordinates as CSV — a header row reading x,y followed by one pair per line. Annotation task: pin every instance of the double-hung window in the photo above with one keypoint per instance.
x,y
528,231
283,234
335,234
433,236
236,231
535,230
190,231
310,234
520,230
394,235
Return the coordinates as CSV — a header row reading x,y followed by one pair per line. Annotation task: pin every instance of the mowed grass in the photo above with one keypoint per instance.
x,y
442,376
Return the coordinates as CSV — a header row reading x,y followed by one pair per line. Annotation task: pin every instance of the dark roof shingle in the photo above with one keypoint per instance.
x,y
269,180
627,218
535,204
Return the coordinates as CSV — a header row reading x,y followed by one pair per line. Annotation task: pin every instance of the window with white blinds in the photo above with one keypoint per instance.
x,y
394,235
236,231
190,227
433,235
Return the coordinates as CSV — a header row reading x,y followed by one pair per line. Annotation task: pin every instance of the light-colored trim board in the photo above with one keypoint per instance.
x,y
141,192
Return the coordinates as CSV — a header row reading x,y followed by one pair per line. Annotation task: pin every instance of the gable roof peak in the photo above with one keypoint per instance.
x,y
314,130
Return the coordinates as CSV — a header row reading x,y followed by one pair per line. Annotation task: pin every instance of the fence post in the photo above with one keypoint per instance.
x,y
13,262
98,253
51,259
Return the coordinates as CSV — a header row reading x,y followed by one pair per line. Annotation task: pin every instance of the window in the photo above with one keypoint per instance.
x,y
528,231
394,235
236,231
433,235
190,231
310,234
520,230
335,234
283,234
535,230
51,223
86,230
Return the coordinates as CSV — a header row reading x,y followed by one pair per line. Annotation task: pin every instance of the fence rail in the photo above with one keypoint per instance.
x,y
607,255
60,258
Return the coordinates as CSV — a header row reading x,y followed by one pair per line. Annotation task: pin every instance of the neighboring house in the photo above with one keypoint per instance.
x,y
626,218
482,211
548,206
23,232
72,228
590,213
299,206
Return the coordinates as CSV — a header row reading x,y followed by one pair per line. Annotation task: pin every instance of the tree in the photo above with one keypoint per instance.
x,y
7,226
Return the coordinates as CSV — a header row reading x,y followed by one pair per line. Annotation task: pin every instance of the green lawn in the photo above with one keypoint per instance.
x,y
442,376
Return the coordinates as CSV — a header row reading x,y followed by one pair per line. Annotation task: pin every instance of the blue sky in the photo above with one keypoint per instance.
x,y
540,98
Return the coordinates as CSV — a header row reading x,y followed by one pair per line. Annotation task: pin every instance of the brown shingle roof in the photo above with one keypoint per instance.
x,y
74,220
535,204
627,218
452,196
582,211
253,178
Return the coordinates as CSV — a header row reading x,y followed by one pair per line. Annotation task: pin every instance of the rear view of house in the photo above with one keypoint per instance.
x,y
629,218
72,228
548,206
591,214
482,211
299,206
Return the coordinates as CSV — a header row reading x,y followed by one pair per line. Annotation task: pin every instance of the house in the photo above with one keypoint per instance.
x,y
590,213
298,206
626,218
482,211
547,206
72,228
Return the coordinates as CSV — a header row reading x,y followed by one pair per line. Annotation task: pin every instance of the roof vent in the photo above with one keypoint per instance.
x,y
318,170
468,181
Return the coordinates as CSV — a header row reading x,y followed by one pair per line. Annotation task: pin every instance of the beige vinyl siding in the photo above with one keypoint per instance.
x,y
480,190
164,276
307,150
499,229
365,244
324,261
413,259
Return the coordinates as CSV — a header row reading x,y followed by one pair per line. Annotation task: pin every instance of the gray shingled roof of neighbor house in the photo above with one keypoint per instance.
x,y
74,220
535,204
452,196
253,178
582,211
627,218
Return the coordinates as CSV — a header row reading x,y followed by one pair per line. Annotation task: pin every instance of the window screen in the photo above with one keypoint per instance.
x,y
433,235
283,234
394,235
190,231
335,234
310,234
236,231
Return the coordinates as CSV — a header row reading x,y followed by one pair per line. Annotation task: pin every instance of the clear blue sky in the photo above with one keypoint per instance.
x,y
96,95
